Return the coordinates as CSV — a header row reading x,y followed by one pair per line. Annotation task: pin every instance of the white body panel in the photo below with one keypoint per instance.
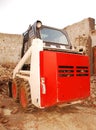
x,y
37,46
32,76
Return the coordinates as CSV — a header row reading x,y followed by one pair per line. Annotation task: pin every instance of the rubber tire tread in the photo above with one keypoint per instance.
x,y
29,107
17,82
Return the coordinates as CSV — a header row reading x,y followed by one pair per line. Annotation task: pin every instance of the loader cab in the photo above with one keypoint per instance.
x,y
52,37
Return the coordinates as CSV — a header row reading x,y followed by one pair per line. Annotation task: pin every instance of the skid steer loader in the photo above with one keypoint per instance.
x,y
50,72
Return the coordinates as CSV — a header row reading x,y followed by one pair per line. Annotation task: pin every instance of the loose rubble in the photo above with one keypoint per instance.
x,y
91,100
6,71
5,74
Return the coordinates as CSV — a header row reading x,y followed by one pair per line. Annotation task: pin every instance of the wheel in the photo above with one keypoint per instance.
x,y
25,95
10,88
15,89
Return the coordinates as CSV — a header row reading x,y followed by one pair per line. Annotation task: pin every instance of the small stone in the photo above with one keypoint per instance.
x,y
2,127
4,121
14,111
2,106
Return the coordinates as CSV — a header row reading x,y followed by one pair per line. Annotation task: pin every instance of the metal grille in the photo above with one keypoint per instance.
x,y
65,71
82,71
69,71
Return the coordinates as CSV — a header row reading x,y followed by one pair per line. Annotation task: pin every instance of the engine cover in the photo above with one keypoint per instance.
x,y
66,77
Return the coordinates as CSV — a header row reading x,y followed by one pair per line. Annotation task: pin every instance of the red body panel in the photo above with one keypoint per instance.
x,y
67,77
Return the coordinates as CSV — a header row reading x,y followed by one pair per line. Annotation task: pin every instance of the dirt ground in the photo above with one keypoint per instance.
x,y
12,117
76,117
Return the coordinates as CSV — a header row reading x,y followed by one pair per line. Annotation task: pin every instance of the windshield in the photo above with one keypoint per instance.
x,y
52,35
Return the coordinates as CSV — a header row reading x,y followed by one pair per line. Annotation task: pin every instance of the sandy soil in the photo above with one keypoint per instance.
x,y
76,117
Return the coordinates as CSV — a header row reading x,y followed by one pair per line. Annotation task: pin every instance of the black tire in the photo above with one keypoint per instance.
x,y
25,96
15,89
10,88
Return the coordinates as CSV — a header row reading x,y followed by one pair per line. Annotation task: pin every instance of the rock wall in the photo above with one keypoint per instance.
x,y
79,29
80,34
93,37
10,48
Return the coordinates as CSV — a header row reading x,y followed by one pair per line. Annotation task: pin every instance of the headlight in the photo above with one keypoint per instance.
x,y
38,24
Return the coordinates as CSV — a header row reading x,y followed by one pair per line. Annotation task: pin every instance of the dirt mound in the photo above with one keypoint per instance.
x,y
91,100
6,71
